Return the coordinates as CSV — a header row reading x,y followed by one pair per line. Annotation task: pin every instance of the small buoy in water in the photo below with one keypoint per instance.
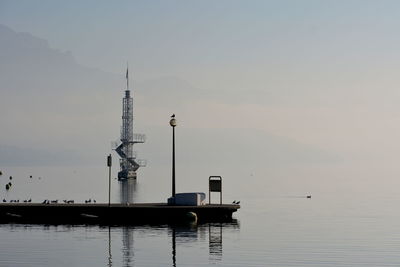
x,y
10,177
309,196
30,176
191,216
1,173
7,187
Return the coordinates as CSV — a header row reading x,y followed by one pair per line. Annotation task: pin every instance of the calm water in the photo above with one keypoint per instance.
x,y
345,223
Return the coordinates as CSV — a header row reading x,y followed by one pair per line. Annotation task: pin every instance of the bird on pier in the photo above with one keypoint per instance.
x,y
4,200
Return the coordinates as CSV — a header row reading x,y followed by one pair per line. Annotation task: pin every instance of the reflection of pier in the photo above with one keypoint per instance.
x,y
128,190
195,233
181,235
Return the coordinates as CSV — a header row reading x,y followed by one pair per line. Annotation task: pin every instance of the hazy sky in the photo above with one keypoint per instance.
x,y
315,76
214,39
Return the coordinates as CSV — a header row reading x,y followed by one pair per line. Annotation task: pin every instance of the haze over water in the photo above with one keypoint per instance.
x,y
276,226
283,99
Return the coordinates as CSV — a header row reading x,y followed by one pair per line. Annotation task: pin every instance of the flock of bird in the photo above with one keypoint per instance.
x,y
17,200
9,184
46,201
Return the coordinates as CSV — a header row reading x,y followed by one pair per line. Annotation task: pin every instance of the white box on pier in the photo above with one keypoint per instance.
x,y
190,199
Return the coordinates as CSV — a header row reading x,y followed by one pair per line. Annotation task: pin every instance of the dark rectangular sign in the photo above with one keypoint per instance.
x,y
109,161
215,186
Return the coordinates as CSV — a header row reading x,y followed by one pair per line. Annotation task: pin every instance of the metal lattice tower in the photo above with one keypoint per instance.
x,y
128,162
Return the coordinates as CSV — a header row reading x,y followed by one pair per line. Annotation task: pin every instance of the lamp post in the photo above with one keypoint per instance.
x,y
172,122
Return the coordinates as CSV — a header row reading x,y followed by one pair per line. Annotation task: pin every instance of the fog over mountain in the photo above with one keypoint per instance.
x,y
56,111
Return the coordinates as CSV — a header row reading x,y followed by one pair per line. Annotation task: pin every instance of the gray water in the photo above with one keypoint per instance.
x,y
345,223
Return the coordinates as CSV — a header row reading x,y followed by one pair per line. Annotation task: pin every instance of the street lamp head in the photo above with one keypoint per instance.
x,y
172,122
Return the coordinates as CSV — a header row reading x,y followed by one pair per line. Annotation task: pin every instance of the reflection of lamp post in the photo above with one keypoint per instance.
x,y
172,122
173,247
109,248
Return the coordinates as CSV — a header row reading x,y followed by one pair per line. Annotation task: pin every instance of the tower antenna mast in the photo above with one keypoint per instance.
x,y
127,76
128,162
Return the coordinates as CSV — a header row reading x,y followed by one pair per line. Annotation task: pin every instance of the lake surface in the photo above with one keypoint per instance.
x,y
345,223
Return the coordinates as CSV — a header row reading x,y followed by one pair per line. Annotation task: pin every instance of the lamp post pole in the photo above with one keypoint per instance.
x,y
172,122
173,161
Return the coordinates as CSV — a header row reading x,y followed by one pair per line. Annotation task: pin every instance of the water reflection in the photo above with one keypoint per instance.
x,y
127,189
180,237
127,246
173,247
121,245
215,241
109,247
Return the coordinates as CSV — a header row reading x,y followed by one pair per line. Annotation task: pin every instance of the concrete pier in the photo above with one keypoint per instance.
x,y
113,214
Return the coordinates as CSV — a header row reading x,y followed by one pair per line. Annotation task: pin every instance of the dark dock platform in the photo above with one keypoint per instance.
x,y
114,214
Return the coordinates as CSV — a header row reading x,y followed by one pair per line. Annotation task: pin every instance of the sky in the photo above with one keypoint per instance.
x,y
286,82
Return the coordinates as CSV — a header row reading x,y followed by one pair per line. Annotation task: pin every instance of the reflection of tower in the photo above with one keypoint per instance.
x,y
127,246
127,191
128,162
